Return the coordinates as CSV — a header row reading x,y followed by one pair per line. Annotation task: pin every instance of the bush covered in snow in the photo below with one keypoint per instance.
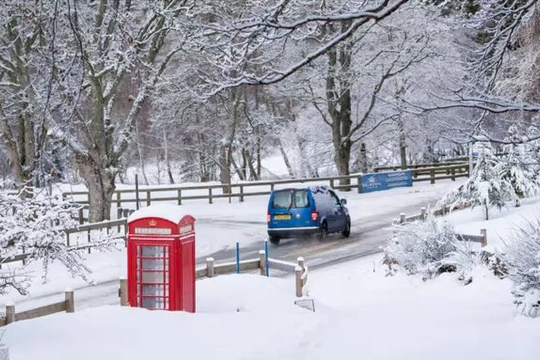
x,y
35,226
522,258
428,248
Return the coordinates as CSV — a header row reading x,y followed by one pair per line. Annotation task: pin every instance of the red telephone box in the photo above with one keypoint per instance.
x,y
161,259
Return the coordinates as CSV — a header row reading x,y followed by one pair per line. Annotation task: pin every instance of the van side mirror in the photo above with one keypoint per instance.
x,y
343,201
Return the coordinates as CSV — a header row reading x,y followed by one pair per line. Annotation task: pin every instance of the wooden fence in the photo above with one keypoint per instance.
x,y
242,190
68,305
422,216
417,166
212,269
107,226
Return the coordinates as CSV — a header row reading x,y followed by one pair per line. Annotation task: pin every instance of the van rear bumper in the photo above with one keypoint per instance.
x,y
292,231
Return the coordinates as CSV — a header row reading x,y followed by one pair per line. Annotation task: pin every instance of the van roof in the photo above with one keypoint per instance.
x,y
313,188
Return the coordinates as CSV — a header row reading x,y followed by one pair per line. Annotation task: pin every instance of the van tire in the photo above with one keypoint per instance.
x,y
323,231
274,240
347,231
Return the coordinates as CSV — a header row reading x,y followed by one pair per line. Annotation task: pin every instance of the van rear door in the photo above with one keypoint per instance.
x,y
290,209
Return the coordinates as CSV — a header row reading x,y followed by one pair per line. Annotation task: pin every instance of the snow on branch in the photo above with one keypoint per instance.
x,y
33,228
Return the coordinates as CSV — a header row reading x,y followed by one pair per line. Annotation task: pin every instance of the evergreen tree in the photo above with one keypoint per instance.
x,y
514,168
486,187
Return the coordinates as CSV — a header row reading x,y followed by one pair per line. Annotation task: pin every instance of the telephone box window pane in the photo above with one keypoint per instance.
x,y
153,277
152,251
156,290
152,264
153,303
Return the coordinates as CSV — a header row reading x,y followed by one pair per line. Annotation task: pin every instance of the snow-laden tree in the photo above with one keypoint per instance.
x,y
522,257
35,227
515,168
485,187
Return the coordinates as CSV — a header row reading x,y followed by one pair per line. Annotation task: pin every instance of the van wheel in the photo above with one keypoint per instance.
x,y
323,231
274,240
347,231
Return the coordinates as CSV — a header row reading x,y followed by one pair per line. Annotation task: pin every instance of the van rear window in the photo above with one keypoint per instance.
x,y
286,199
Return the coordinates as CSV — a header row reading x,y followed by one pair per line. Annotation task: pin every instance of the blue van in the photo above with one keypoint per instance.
x,y
307,210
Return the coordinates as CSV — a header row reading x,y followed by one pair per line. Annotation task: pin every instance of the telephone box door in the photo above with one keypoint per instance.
x,y
153,274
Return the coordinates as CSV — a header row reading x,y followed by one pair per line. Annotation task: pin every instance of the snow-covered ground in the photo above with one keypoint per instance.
x,y
360,314
501,223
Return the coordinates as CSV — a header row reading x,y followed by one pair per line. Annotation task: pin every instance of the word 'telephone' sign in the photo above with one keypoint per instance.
x,y
385,181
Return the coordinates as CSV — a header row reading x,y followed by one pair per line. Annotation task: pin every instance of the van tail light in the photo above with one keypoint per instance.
x,y
267,217
314,215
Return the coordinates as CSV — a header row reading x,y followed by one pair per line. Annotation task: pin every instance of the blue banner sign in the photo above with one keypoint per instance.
x,y
385,181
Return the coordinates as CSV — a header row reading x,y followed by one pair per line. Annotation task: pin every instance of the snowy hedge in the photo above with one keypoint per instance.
x,y
522,259
428,248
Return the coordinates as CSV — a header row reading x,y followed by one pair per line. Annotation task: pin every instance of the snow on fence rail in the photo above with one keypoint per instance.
x,y
403,219
179,194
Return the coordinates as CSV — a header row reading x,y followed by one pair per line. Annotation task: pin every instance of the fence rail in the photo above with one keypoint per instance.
x,y
68,305
241,191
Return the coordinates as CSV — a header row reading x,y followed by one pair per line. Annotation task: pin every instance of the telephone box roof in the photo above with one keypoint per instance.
x,y
172,213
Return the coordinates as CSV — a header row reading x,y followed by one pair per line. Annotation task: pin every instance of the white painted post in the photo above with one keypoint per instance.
x,y
210,267
298,280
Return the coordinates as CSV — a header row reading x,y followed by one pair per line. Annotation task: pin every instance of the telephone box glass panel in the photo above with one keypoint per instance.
x,y
153,276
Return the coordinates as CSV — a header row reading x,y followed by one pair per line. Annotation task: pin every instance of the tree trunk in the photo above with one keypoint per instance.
x,y
166,155
363,158
342,159
402,145
101,186
286,159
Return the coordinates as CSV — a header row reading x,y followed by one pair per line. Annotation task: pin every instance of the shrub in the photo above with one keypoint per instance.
x,y
429,248
523,261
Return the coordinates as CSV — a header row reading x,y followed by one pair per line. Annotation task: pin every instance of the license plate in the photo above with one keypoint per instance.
x,y
282,217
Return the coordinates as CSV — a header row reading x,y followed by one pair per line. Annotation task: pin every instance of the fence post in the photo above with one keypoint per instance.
x,y
332,183
179,196
262,262
81,215
210,267
126,212
298,280
209,195
432,174
118,200
89,241
70,301
148,198
423,213
10,313
123,292
237,257
453,174
359,184
301,262
483,233
402,218
241,193
67,240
